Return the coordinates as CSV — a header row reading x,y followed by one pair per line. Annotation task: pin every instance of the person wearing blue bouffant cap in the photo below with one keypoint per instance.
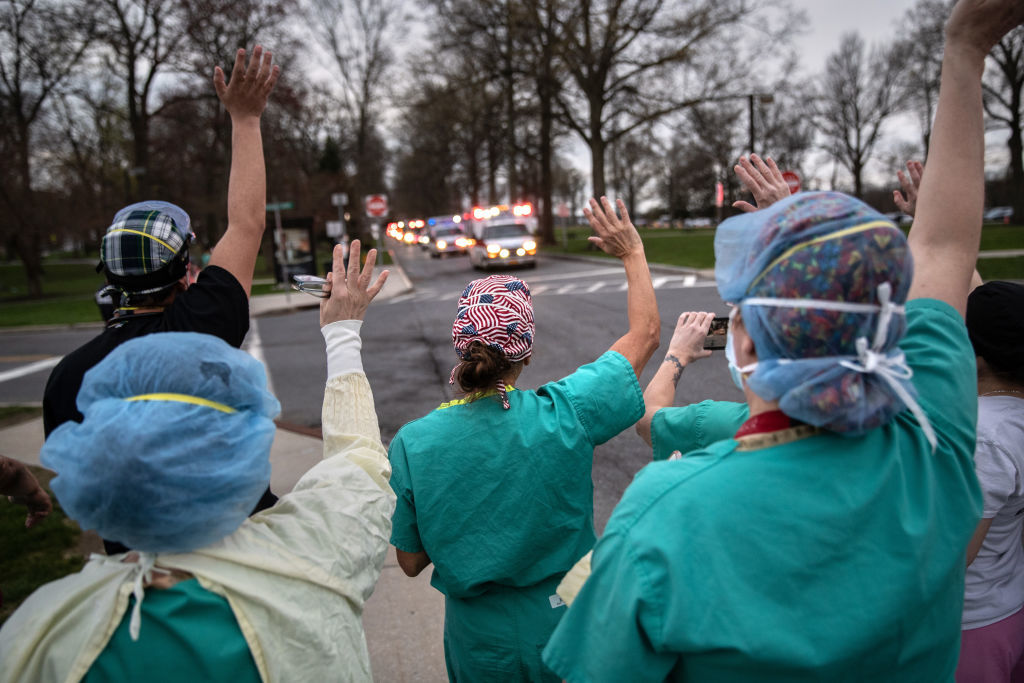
x,y
172,463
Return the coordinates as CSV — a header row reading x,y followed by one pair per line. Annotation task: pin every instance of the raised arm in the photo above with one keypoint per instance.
x,y
618,237
687,345
245,97
947,228
349,419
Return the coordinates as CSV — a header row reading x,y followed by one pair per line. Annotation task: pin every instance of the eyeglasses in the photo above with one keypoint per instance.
x,y
311,284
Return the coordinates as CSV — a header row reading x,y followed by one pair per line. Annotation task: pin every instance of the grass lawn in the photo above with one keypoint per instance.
x,y
694,248
48,551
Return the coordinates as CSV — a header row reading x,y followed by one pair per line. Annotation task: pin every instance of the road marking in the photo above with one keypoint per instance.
x,y
254,345
570,276
38,366
660,282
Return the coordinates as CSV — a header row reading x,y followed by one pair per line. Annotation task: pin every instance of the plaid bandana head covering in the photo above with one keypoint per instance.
x,y
498,312
820,279
146,247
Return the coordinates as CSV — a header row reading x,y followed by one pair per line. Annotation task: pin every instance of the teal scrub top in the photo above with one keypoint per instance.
x,y
825,558
505,496
187,633
688,428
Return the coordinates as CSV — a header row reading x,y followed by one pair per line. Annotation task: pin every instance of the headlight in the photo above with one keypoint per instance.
x,y
529,244
441,244
504,253
493,248
424,239
520,252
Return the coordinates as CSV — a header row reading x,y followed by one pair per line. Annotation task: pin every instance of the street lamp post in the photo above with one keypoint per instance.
x,y
763,98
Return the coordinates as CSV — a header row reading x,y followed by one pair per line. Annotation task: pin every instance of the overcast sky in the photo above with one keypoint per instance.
x,y
875,20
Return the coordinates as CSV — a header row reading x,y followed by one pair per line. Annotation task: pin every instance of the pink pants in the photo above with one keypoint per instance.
x,y
993,653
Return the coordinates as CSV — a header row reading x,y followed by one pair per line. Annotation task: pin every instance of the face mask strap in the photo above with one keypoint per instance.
x,y
869,360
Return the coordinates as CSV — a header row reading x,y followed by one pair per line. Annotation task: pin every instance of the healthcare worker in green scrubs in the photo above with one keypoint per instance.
x,y
495,488
825,540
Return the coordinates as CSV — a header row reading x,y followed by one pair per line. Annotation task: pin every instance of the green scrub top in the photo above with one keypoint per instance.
x,y
505,496
187,633
688,428
825,558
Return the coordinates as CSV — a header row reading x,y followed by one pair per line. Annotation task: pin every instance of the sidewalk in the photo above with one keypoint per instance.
x,y
404,619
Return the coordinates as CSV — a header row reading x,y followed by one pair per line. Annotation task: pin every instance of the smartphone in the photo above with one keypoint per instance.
x,y
716,333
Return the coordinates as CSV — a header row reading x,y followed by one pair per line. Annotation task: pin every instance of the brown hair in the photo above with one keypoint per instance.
x,y
481,368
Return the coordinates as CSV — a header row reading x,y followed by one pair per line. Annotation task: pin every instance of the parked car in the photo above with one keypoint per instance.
x,y
502,244
999,214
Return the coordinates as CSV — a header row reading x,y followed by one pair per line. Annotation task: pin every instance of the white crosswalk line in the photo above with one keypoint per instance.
x,y
659,282
594,287
254,345
38,366
689,281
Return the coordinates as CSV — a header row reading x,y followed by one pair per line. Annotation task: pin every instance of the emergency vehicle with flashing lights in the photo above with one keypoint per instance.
x,y
503,236
446,236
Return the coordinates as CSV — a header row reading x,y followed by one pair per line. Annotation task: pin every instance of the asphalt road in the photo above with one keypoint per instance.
x,y
580,310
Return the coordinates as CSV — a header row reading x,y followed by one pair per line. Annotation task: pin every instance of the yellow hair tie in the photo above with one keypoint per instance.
x,y
183,398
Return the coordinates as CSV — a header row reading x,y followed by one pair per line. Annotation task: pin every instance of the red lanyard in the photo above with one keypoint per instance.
x,y
763,423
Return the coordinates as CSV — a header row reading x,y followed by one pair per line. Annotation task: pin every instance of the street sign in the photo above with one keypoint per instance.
x,y
280,206
335,228
793,180
376,205
339,199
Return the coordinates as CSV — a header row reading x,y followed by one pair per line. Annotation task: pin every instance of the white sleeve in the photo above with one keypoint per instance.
x,y
344,347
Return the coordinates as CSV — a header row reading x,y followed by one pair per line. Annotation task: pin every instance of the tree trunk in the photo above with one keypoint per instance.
x,y
1016,144
597,147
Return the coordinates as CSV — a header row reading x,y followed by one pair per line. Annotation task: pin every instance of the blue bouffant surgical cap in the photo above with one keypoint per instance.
x,y
172,455
820,279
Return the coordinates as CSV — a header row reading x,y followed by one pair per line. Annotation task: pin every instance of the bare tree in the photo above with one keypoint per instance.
x,y
358,36
41,43
142,36
634,61
922,51
1003,90
858,93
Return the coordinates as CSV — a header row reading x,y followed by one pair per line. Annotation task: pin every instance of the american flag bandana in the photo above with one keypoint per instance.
x,y
496,311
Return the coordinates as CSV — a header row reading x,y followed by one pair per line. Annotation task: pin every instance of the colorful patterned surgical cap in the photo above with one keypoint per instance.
x,y
820,279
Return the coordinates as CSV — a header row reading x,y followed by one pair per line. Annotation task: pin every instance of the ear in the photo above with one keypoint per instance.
x,y
526,361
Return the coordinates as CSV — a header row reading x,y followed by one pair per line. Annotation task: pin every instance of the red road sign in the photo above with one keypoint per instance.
x,y
793,180
377,205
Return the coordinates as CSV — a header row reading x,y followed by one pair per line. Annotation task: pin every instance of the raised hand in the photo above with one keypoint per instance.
x,y
910,183
977,25
687,344
246,94
763,179
615,236
350,289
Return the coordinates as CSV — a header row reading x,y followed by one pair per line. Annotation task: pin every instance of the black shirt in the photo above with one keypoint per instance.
x,y
216,304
